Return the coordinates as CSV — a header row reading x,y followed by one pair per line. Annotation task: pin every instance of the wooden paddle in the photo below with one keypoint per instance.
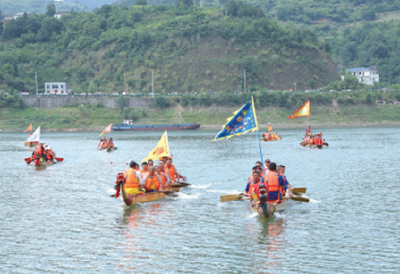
x,y
299,190
179,185
165,192
300,199
28,160
231,197
59,159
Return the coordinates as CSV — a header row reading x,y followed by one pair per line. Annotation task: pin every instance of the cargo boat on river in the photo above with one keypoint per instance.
x,y
127,126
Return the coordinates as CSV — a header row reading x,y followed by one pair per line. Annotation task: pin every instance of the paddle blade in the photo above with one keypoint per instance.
x,y
28,160
300,199
59,159
231,197
168,192
299,189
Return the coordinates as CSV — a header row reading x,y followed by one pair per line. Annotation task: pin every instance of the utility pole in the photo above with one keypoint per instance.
x,y
244,84
221,10
226,10
37,89
201,4
295,86
152,81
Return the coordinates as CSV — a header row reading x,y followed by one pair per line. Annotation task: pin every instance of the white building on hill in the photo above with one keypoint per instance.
x,y
365,75
56,88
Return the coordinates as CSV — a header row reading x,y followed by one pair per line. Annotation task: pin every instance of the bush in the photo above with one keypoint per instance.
x,y
162,102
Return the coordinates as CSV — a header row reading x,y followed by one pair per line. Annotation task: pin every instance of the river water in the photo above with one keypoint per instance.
x,y
63,220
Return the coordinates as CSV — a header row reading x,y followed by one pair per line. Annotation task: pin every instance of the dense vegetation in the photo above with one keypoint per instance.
x,y
188,48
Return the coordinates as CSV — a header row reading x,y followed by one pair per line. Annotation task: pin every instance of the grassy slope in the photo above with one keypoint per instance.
x,y
83,117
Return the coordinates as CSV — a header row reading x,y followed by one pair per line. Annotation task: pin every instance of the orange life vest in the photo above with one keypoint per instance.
x,y
152,183
273,184
252,186
38,151
104,144
171,171
144,173
110,144
131,180
163,178
50,155
282,190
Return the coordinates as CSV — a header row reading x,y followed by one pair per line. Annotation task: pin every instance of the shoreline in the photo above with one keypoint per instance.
x,y
219,127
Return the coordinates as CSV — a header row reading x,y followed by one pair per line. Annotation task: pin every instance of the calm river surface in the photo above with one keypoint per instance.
x,y
63,220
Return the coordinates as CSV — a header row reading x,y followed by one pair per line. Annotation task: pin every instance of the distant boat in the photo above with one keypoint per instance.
x,y
127,126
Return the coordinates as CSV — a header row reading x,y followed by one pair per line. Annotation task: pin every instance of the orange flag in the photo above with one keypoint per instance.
x,y
270,127
29,128
108,129
305,110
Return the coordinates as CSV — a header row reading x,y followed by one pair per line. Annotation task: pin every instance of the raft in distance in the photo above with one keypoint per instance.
x,y
127,126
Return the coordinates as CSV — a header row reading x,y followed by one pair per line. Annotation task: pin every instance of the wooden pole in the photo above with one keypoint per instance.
x,y
36,82
152,81
244,85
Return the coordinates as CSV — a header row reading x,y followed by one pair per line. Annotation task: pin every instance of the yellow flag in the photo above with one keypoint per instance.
x,y
305,110
162,149
108,129
270,127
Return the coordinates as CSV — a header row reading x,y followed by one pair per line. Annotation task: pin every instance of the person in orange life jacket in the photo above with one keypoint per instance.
x,y
173,172
258,163
50,154
254,168
152,181
133,180
267,162
150,163
255,179
110,143
39,152
275,183
163,173
100,145
281,171
145,170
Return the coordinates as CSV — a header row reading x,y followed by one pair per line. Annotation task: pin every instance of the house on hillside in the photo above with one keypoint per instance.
x,y
8,18
365,75
60,14
56,88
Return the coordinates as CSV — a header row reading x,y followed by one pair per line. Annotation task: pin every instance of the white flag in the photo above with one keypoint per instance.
x,y
35,136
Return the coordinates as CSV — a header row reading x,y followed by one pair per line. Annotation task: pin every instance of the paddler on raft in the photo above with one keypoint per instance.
x,y
276,185
144,172
133,180
152,181
103,143
164,175
281,171
50,156
170,167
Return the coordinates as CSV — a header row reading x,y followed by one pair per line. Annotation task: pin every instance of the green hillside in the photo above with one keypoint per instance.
x,y
188,49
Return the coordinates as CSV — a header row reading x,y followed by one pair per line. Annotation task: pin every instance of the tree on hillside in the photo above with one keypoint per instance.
x,y
50,10
1,15
368,15
141,2
184,3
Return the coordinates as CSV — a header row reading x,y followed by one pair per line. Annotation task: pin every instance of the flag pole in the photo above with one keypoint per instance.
x,y
258,133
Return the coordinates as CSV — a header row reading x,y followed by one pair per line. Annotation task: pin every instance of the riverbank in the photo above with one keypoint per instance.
x,y
91,118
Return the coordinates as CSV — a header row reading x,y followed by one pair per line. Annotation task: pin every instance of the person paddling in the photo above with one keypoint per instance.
x,y
50,154
145,170
173,173
133,181
266,166
152,181
163,174
275,184
255,179
281,171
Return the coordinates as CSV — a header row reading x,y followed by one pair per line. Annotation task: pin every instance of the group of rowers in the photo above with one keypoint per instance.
x,y
104,143
151,178
44,153
271,178
269,136
311,139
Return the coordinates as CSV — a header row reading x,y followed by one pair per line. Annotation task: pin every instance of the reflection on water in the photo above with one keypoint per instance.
x,y
64,215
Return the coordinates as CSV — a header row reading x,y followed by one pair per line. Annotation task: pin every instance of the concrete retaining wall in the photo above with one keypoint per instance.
x,y
54,102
